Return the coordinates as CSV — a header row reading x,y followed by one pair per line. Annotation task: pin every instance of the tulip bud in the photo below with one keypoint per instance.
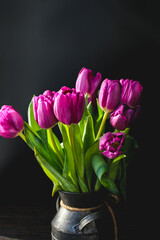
x,y
131,92
109,95
11,122
69,105
122,117
43,111
86,82
110,144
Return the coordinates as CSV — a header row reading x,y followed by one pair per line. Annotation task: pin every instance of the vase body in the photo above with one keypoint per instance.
x,y
82,216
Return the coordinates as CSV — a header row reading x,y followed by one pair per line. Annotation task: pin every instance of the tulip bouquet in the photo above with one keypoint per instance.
x,y
89,157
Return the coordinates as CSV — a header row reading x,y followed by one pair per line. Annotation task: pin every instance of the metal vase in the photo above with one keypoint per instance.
x,y
82,216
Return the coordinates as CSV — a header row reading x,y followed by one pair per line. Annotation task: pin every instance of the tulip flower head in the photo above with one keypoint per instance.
x,y
86,82
131,92
43,111
11,122
69,105
110,144
109,95
50,94
123,116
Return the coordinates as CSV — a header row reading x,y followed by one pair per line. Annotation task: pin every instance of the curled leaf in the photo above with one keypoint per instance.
x,y
101,170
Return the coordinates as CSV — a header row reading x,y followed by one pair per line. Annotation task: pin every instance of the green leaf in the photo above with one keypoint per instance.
x,y
42,133
129,146
78,153
47,172
84,118
64,183
77,145
34,141
69,170
113,170
130,149
88,134
58,144
99,165
97,185
99,118
90,109
56,189
101,170
94,149
119,158
122,177
114,167
109,184
31,120
64,126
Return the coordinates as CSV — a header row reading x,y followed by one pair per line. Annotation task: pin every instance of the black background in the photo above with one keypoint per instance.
x,y
43,45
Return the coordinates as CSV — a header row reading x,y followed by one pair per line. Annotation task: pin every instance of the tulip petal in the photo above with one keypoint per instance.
x,y
119,122
80,107
69,105
11,122
82,82
125,87
109,95
131,92
62,109
103,94
113,96
43,111
94,83
86,82
35,106
134,94
111,143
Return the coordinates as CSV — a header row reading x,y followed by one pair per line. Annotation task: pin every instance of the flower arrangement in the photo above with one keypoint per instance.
x,y
89,157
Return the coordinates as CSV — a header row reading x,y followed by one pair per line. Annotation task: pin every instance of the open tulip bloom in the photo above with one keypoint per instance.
x,y
89,158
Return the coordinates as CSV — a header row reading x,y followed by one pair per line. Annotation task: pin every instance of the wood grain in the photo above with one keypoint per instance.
x,y
25,223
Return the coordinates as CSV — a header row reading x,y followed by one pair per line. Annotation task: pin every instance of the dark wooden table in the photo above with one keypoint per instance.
x,y
33,223
25,222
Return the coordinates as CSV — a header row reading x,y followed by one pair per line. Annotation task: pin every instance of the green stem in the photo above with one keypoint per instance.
x,y
71,134
102,125
54,145
126,131
22,136
97,185
116,130
80,173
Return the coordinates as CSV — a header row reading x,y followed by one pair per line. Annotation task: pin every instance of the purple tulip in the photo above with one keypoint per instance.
x,y
122,117
87,83
43,111
69,105
50,94
109,95
11,122
110,144
131,92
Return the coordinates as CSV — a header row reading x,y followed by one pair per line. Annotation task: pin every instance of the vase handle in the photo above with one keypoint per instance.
x,y
87,219
93,216
58,203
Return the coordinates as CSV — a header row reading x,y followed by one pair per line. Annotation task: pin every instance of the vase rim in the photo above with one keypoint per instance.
x,y
82,200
